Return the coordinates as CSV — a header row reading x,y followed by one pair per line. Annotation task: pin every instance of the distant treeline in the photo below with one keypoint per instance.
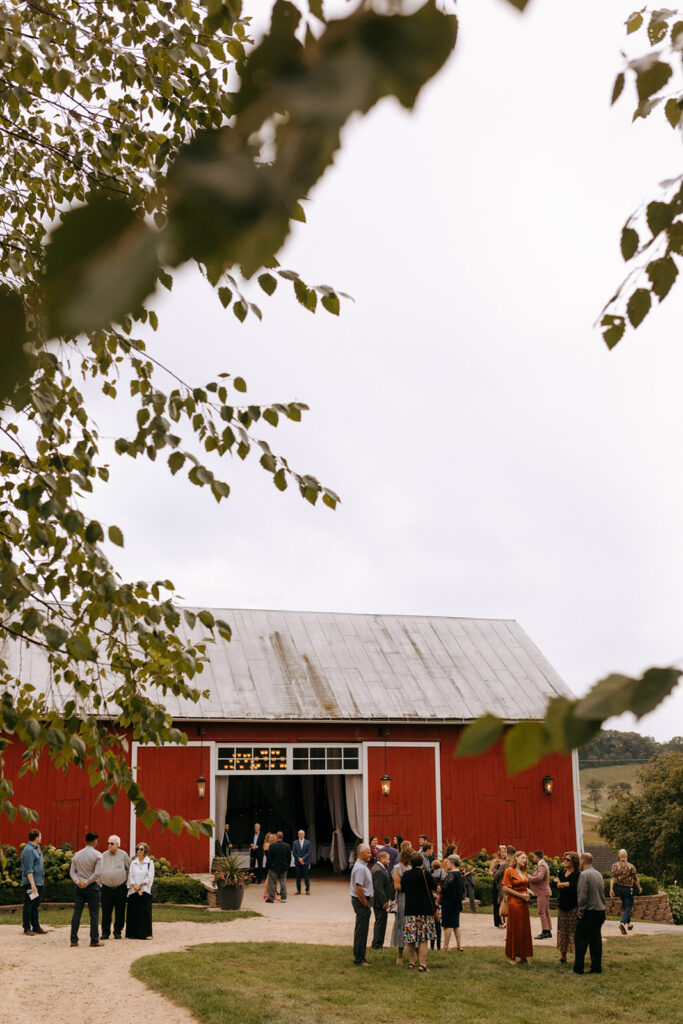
x,y
613,747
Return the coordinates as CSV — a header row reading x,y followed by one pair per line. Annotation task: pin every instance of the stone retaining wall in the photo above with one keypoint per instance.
x,y
645,908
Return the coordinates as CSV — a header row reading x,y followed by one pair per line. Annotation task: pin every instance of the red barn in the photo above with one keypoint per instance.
x,y
307,711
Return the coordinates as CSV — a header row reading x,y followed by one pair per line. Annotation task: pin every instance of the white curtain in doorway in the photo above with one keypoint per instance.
x,y
308,794
335,800
221,804
354,802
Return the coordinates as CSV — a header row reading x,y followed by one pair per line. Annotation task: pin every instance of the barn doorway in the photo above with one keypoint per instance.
x,y
317,803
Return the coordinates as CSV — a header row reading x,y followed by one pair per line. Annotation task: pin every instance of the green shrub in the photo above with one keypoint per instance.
x,y
179,889
10,893
483,888
675,894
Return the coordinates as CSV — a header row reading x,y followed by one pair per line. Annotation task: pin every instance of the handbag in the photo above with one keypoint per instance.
x,y
429,893
503,909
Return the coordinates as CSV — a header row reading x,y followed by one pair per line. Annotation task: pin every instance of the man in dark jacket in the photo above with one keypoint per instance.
x,y
278,859
384,893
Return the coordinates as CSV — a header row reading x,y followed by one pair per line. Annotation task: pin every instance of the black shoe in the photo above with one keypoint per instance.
x,y
541,936
622,928
594,972
104,938
574,971
270,901
117,936
630,927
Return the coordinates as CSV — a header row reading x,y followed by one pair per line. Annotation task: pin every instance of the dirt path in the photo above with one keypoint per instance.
x,y
44,978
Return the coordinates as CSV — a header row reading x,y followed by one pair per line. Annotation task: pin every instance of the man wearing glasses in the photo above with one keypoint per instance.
x,y
114,882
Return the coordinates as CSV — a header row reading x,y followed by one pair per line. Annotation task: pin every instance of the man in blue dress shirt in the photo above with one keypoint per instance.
x,y
32,881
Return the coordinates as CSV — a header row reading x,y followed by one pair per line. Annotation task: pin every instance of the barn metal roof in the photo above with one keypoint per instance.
x,y
312,666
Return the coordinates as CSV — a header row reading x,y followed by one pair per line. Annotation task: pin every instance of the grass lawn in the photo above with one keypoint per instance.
x,y
257,983
160,913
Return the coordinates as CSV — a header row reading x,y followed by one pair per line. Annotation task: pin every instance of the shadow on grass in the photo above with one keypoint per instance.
x,y
255,983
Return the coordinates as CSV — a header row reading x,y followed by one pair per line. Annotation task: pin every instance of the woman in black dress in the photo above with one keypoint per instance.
x,y
452,892
418,926
567,904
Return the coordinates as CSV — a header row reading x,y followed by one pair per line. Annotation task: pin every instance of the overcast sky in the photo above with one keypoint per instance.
x,y
494,460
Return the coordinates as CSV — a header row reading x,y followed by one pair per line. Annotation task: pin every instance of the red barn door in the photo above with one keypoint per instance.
x,y
410,808
167,776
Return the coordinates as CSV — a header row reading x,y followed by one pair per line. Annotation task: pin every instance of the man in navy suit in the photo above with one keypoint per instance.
x,y
301,850
256,852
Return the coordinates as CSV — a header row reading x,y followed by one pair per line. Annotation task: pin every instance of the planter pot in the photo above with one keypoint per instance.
x,y
230,897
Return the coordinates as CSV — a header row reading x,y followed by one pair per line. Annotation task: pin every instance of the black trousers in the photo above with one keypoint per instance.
x,y
589,936
360,932
91,896
256,862
113,900
380,929
496,905
30,910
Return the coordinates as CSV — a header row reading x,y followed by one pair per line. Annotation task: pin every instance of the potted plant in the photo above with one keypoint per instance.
x,y
231,882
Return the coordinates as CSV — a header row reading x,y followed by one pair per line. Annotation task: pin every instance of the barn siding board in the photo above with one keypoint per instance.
x,y
167,777
410,808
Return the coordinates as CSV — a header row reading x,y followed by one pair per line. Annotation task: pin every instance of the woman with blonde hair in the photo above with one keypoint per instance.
x,y
567,904
518,941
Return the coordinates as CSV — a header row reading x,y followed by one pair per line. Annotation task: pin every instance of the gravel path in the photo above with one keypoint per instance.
x,y
44,978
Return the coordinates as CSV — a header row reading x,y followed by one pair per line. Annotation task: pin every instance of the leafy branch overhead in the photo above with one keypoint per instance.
x,y
150,134
226,207
569,724
652,237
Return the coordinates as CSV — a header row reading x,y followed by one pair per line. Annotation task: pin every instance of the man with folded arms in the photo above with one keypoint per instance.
x,y
32,880
590,892
85,870
114,881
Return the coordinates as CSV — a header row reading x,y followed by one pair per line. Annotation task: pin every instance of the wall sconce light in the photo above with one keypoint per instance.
x,y
385,781
548,783
201,781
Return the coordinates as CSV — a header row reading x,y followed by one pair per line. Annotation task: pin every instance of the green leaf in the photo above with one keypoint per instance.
x,y
618,87
239,384
94,532
614,327
175,462
479,736
672,110
220,489
115,536
79,647
280,480
519,4
652,688
653,78
109,800
662,274
14,360
524,745
657,28
240,311
610,696
268,283
225,295
331,304
659,216
633,22
206,618
629,243
271,416
638,306
101,262
55,636
316,9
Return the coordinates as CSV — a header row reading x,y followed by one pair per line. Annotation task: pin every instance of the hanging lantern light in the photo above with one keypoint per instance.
x,y
385,783
548,783
201,781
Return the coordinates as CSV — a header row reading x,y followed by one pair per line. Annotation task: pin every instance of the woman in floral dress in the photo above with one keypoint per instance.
x,y
418,927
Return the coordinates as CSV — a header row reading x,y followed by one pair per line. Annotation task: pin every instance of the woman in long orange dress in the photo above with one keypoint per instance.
x,y
518,941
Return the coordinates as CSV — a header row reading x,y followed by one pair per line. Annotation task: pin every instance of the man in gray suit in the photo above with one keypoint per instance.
x,y
301,851
384,893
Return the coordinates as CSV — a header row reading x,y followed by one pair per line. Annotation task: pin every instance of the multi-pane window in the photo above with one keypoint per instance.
x,y
289,758
252,759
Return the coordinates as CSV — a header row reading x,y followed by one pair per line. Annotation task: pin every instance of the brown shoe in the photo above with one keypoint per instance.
x,y
94,945
40,931
74,943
